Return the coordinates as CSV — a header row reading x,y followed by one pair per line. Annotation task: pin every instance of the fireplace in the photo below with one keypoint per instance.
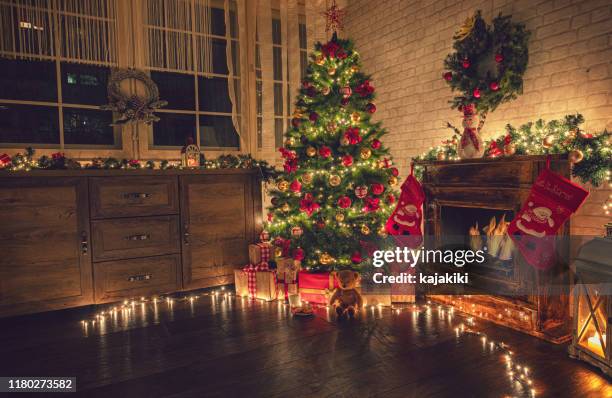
x,y
469,203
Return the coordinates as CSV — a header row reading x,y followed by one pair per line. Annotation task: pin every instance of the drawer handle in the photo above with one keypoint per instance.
x,y
137,278
137,195
138,237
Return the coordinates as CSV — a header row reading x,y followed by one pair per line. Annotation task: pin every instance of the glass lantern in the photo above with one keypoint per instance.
x,y
592,334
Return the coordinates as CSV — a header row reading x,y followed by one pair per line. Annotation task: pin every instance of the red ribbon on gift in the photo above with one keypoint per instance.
x,y
264,249
251,271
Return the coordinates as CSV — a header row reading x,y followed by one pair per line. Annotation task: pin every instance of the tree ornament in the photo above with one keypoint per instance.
x,y
509,149
547,142
331,127
375,143
361,191
326,90
441,155
371,204
347,160
355,117
390,199
356,257
320,224
476,93
393,181
320,60
494,86
354,69
499,58
311,151
297,231
352,135
344,141
295,186
295,122
382,232
285,208
365,229
448,76
394,172
370,107
325,151
365,153
344,202
346,91
326,258
331,70
377,188
308,204
575,156
466,63
298,254
340,217
344,101
334,180
307,178
313,117
283,185
274,201
290,141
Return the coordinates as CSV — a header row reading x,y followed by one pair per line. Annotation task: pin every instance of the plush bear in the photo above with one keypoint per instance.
x,y
346,298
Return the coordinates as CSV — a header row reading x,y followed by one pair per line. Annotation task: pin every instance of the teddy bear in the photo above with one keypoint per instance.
x,y
346,298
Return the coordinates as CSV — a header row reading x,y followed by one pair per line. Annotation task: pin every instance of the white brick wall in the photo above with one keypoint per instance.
x,y
403,44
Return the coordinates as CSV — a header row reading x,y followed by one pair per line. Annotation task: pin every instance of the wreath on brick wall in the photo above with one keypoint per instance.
x,y
488,64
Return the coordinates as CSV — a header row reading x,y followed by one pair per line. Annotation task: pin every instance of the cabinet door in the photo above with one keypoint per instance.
x,y
44,241
218,223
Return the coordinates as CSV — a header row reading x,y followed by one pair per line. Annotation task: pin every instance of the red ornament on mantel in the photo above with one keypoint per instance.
x,y
494,86
476,93
4,160
448,76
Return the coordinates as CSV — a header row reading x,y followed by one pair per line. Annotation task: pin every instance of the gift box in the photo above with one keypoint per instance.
x,y
256,281
260,253
316,288
286,289
287,269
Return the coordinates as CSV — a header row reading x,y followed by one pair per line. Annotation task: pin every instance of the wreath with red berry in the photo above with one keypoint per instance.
x,y
488,64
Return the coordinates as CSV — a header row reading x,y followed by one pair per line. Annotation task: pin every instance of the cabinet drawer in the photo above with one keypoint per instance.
x,y
137,277
115,239
133,196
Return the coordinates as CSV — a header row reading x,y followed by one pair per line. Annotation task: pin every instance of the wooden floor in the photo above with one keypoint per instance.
x,y
232,347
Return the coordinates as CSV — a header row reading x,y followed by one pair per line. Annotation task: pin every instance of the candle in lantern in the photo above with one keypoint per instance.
x,y
594,343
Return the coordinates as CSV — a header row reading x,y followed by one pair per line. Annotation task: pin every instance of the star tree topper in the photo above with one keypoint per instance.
x,y
334,18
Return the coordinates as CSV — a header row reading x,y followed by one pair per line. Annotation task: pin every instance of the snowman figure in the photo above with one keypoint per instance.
x,y
536,221
470,146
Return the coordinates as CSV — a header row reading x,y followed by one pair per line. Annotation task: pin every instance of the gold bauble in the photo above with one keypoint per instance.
x,y
331,70
311,151
331,127
278,252
289,141
509,149
326,90
382,231
365,153
354,69
441,155
393,181
365,229
320,60
576,156
283,185
307,178
547,142
339,217
355,117
334,180
326,259
344,141
285,207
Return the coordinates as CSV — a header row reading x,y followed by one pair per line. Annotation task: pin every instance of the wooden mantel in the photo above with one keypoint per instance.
x,y
78,237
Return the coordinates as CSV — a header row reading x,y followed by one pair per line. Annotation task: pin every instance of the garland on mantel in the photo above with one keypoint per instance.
x,y
590,154
58,161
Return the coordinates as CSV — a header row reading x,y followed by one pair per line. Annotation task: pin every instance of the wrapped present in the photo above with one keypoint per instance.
x,y
286,289
260,253
287,269
318,287
256,281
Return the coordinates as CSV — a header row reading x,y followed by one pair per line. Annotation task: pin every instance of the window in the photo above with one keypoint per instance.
x,y
196,82
51,100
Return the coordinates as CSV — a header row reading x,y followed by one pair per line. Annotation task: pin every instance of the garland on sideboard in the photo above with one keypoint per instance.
x,y
590,154
58,161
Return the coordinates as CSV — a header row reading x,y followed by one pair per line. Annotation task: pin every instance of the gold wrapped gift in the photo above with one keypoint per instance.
x,y
265,282
287,269
260,252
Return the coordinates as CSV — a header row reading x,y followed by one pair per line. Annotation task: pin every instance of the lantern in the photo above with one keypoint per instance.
x,y
592,332
190,155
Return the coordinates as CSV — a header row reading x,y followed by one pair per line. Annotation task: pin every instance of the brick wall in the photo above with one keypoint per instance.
x,y
403,44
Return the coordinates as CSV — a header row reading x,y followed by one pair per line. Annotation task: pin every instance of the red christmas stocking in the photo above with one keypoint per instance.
x,y
405,221
551,201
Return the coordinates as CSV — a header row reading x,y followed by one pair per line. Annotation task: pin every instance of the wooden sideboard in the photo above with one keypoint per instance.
x,y
71,238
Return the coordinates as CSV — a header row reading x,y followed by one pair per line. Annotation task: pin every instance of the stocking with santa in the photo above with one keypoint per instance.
x,y
405,221
551,201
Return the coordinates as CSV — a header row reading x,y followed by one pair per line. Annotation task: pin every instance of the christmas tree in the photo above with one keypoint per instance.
x,y
330,205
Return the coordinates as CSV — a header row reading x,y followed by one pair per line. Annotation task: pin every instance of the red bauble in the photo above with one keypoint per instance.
x,y
371,204
370,107
346,91
352,135
298,254
347,160
314,116
494,86
377,188
320,224
270,217
499,58
344,202
376,144
476,93
356,257
295,186
344,101
395,172
361,191
325,151
390,199
466,63
306,84
296,122
448,76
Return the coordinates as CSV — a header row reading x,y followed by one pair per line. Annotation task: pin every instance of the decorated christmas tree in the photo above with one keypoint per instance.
x,y
330,205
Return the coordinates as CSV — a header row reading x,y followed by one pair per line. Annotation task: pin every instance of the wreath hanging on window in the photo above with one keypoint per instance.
x,y
133,108
488,64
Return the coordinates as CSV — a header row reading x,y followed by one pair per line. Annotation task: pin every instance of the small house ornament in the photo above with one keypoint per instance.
x,y
190,154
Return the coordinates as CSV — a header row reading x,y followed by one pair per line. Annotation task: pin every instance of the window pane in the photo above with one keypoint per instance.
x,y
278,99
217,21
276,31
278,132
28,80
277,62
84,84
218,132
303,43
176,88
213,95
219,57
29,124
88,126
174,129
